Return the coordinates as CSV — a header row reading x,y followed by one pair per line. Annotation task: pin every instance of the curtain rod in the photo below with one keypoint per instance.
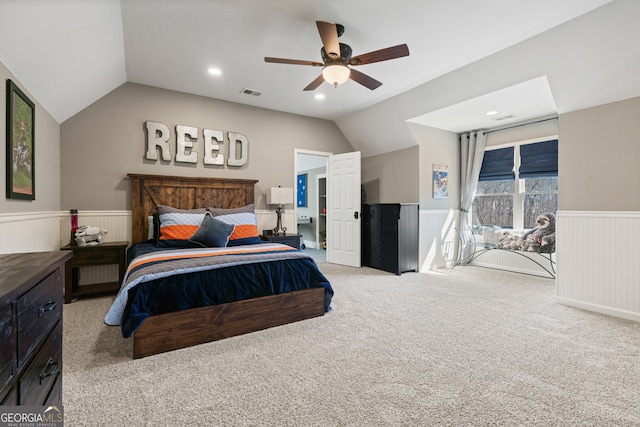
x,y
521,124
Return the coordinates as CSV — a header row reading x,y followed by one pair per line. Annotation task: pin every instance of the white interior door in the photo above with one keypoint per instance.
x,y
343,209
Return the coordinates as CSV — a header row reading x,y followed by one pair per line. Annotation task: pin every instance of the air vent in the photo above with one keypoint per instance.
x,y
508,116
246,91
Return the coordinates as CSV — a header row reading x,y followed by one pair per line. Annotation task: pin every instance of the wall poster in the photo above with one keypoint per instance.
x,y
301,195
440,181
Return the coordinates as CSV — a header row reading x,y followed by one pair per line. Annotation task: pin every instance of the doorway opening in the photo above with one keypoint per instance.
x,y
310,200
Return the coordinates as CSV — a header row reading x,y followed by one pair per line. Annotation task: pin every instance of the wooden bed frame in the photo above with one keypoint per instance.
x,y
186,328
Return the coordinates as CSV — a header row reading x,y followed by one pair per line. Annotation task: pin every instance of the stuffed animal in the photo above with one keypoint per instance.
x,y
530,244
548,244
542,238
510,240
88,235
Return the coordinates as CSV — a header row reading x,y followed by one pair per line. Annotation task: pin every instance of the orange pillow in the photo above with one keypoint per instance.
x,y
244,220
179,224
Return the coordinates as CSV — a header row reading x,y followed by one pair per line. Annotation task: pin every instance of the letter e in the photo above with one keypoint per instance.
x,y
210,139
182,144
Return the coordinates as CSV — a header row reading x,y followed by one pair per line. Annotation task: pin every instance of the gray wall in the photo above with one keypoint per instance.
x,y
107,140
392,177
47,156
437,147
598,157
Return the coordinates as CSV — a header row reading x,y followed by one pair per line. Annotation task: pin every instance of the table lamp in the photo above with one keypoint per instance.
x,y
279,196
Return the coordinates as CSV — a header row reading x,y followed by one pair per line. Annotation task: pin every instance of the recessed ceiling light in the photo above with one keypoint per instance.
x,y
491,113
215,71
319,96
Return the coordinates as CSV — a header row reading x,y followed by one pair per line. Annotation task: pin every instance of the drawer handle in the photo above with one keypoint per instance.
x,y
49,306
94,257
50,369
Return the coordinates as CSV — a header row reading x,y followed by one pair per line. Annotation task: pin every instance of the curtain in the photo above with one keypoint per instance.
x,y
471,154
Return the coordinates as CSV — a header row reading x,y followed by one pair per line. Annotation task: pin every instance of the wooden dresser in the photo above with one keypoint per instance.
x,y
31,328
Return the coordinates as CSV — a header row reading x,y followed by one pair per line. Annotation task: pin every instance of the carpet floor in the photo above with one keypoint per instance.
x,y
462,347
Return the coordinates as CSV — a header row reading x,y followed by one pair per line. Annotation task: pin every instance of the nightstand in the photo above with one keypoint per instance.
x,y
88,256
292,240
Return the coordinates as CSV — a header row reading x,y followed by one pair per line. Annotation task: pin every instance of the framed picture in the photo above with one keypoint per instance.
x,y
301,195
440,181
20,144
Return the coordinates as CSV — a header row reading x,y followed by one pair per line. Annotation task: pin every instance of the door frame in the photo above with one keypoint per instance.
x,y
297,151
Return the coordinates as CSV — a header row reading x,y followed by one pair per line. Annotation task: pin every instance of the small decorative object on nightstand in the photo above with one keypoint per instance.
x,y
87,256
292,240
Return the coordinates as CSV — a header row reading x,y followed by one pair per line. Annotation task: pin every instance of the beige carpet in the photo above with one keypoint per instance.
x,y
468,346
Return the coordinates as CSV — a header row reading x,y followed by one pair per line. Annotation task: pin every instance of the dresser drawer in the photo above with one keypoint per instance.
x,y
7,347
55,395
42,373
38,311
31,327
94,255
11,399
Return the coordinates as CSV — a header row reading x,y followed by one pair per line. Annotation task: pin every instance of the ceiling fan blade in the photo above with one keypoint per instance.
x,y
314,84
381,55
329,35
292,61
364,80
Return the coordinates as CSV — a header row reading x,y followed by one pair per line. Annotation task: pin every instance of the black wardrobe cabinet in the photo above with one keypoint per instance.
x,y
390,236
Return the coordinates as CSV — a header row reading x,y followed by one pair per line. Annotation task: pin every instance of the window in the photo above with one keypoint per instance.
x,y
516,184
540,195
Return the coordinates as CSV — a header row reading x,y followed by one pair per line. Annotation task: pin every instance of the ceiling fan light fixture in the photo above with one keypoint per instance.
x,y
336,74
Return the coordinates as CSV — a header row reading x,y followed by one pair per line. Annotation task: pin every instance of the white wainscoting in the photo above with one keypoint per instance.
x,y
438,239
599,262
118,223
29,232
49,231
118,226
267,220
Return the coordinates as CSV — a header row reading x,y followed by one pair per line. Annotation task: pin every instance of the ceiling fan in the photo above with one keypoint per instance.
x,y
336,58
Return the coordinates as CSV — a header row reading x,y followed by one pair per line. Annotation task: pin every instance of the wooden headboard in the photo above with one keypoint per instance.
x,y
148,191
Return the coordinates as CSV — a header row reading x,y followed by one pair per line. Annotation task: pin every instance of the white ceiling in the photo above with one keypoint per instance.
x,y
495,108
70,53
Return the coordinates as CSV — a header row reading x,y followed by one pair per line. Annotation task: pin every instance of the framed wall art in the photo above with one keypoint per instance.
x,y
20,144
440,181
301,195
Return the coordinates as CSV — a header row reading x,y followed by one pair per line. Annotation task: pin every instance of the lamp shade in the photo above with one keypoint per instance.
x,y
280,196
336,74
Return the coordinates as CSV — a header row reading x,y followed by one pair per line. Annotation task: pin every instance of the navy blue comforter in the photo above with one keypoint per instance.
x,y
220,285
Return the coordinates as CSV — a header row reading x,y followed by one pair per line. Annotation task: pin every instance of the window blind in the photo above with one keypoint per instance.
x,y
539,159
497,165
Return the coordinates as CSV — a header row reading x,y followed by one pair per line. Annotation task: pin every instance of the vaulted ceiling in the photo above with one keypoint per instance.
x,y
523,58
